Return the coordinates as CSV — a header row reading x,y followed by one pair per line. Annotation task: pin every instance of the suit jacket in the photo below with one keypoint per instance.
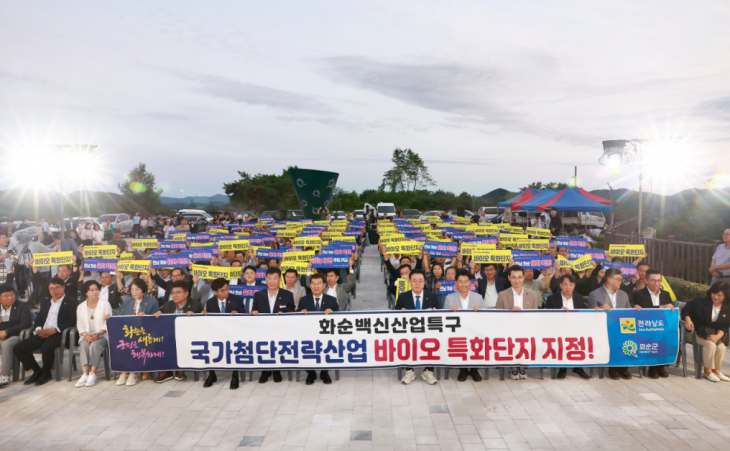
x,y
643,298
501,283
148,306
700,311
341,288
506,300
167,286
455,299
600,296
408,301
298,292
555,301
284,302
20,318
71,288
190,306
233,303
66,314
326,302
201,294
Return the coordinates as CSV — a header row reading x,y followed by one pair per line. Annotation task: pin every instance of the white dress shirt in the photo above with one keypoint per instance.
x,y
490,295
715,313
5,313
464,301
137,305
612,296
567,302
519,301
221,304
272,300
52,318
160,290
655,297
104,294
331,291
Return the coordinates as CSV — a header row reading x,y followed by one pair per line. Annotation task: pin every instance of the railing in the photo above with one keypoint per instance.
x,y
625,227
687,261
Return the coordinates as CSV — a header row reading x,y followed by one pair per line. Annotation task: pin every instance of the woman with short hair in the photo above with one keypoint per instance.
x,y
140,305
91,316
710,317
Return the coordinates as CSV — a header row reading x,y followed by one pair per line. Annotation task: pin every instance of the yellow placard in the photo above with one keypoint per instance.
x,y
627,250
304,256
133,266
498,257
486,230
536,231
330,235
579,265
324,223
404,247
307,241
433,233
347,239
337,229
434,220
241,233
401,286
392,238
216,272
217,231
668,289
471,248
508,239
301,267
144,244
127,256
180,237
532,245
287,233
54,258
233,245
108,251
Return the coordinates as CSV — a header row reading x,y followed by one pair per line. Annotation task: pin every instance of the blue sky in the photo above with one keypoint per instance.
x,y
490,94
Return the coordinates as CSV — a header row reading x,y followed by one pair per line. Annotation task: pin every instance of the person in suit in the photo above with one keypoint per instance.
x,y
14,317
91,316
418,298
464,299
57,312
223,302
249,279
567,299
336,290
164,280
272,300
490,282
652,296
517,299
179,304
317,301
710,318
109,290
139,304
608,297
291,277
65,273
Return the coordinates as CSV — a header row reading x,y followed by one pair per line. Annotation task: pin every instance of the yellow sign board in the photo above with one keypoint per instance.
x,y
54,258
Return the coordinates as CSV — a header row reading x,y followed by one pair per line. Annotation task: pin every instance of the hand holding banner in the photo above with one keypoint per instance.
x,y
536,231
99,264
133,266
53,258
498,257
627,250
216,272
107,251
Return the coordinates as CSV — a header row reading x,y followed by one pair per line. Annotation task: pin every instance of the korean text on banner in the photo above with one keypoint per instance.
x,y
53,258
216,272
99,264
133,266
499,257
627,250
144,244
401,286
233,245
107,251
536,231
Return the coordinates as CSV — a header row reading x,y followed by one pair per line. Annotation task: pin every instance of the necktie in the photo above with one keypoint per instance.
x,y
418,302
223,306
248,305
316,300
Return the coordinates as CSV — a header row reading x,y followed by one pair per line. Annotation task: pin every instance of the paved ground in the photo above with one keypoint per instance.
x,y
371,410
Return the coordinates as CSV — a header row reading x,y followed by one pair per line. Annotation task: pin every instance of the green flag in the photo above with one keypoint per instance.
x,y
314,189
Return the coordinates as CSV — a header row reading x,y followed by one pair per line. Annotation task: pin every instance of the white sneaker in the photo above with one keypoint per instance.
x,y
92,380
409,377
712,377
514,374
523,373
429,377
132,379
4,381
82,381
122,379
722,377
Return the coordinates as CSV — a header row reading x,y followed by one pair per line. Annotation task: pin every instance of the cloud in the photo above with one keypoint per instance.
x,y
718,109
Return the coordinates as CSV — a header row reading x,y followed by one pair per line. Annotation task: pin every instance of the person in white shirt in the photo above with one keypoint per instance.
x,y
91,316
465,299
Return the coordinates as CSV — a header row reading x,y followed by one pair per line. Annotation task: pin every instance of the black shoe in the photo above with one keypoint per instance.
x,y
325,376
561,373
45,377
662,372
310,380
463,374
613,374
277,376
264,377
652,373
234,381
34,378
580,372
474,373
212,379
624,373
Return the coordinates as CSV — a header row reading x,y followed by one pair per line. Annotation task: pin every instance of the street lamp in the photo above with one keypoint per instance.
x,y
69,153
620,152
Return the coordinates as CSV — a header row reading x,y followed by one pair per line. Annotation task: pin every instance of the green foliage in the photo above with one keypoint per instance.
x,y
139,192
350,201
686,291
263,191
422,200
409,172
697,224
541,185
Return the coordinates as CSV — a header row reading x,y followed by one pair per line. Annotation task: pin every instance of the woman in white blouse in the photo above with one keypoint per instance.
x,y
97,235
91,316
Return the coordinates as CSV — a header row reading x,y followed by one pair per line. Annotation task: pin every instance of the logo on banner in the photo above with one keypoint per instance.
x,y
628,326
630,348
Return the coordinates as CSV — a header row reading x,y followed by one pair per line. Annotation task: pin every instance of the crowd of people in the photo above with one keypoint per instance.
x,y
71,297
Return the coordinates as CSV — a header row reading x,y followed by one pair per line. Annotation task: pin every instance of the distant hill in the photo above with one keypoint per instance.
x,y
179,202
493,197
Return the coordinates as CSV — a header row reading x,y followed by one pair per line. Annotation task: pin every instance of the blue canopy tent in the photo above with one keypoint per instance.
x,y
532,204
571,199
519,199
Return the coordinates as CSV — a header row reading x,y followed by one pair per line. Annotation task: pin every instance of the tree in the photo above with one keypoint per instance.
x,y
541,185
263,191
408,174
350,201
139,192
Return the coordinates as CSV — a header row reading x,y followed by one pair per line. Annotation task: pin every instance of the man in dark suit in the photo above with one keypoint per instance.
x,y
15,316
70,278
567,299
109,290
272,300
418,299
317,301
160,278
58,312
652,296
223,302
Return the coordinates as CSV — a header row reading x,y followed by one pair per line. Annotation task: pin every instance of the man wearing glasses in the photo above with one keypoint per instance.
x,y
720,267
652,296
609,297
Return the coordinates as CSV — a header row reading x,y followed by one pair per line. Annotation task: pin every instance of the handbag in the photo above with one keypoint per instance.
x,y
706,331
